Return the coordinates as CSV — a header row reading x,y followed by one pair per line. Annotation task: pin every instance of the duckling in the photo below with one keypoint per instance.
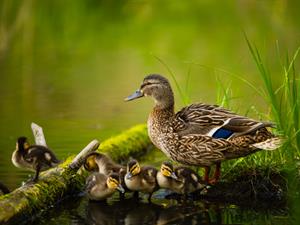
x,y
140,178
100,186
3,189
201,134
103,164
33,157
181,180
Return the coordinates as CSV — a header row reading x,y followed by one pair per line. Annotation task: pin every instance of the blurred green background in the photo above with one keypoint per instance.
x,y
68,65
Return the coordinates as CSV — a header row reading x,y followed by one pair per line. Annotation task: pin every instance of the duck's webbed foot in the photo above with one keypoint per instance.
x,y
216,176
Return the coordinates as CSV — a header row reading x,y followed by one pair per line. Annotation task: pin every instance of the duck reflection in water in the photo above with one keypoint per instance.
x,y
122,212
130,212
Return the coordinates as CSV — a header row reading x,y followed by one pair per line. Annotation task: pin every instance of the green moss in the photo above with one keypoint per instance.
x,y
131,143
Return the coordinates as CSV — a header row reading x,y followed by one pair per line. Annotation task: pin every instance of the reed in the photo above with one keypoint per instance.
x,y
283,101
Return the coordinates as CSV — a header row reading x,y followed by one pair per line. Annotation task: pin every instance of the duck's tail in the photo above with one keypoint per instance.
x,y
270,144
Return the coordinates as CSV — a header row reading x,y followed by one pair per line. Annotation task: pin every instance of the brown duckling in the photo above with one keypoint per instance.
x,y
101,163
100,186
141,178
181,180
33,157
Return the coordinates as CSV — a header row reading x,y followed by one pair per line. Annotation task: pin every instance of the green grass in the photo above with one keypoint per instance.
x,y
283,101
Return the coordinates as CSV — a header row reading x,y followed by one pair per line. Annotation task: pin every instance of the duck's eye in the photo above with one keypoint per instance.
x,y
145,84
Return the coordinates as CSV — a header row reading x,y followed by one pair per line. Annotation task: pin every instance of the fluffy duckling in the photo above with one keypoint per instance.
x,y
33,157
140,178
100,186
181,180
101,163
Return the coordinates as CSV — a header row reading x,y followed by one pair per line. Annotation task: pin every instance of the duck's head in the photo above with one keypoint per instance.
x,y
157,87
133,168
90,163
113,182
167,170
22,144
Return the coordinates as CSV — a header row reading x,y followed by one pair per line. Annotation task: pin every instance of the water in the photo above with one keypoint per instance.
x,y
82,211
68,66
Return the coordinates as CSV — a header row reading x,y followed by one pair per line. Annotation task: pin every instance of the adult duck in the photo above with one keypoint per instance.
x,y
201,134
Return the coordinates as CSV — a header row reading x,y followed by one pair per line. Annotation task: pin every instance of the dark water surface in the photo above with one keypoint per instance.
x,y
79,211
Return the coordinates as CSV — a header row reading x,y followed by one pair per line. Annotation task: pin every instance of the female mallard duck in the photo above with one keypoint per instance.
x,y
141,178
100,186
201,134
181,180
33,157
103,164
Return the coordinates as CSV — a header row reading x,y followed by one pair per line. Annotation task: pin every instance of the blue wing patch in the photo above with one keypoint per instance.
x,y
222,133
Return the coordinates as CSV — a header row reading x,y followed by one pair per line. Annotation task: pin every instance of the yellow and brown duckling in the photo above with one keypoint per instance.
x,y
181,180
201,134
141,179
101,163
100,186
33,157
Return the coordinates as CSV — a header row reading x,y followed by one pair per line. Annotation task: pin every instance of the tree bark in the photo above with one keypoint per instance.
x,y
65,179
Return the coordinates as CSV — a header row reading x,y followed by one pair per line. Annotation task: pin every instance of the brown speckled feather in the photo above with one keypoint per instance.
x,y
205,119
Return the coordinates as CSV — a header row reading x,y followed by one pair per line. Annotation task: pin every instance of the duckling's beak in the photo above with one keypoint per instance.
x,y
173,175
120,188
135,95
129,175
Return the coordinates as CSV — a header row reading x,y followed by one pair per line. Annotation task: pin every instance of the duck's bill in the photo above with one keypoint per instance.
x,y
135,95
173,175
120,188
128,175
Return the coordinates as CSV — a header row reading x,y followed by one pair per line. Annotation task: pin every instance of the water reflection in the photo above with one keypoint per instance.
x,y
78,211
130,212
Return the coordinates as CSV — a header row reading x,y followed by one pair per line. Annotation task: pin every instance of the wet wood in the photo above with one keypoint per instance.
x,y
65,180
38,134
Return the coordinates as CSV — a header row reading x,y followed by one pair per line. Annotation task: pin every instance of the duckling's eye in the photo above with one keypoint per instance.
x,y
112,180
133,168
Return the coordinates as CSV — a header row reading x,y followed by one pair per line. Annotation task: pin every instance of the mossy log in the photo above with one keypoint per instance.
x,y
59,182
